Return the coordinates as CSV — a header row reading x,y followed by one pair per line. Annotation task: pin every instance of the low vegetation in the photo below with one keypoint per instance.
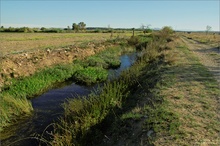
x,y
15,95
166,98
211,38
161,100
80,122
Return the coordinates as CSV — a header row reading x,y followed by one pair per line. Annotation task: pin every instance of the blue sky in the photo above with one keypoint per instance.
x,y
179,14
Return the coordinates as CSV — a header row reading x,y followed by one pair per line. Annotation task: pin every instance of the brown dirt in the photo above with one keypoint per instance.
x,y
22,54
25,64
209,56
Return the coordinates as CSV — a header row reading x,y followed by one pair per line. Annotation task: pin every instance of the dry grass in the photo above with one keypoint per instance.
x,y
193,96
18,42
210,38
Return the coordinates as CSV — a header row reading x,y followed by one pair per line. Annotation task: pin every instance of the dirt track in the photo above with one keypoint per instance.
x,y
208,56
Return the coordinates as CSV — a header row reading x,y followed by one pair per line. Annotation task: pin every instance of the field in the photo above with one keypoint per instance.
x,y
12,43
170,96
212,39
23,53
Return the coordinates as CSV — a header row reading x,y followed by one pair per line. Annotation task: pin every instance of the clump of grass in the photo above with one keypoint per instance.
x,y
82,114
140,42
11,108
96,61
91,75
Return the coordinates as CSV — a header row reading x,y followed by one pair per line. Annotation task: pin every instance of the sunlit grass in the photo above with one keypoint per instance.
x,y
24,88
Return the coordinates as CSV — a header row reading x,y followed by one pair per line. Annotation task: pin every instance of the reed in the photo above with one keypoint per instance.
x,y
84,115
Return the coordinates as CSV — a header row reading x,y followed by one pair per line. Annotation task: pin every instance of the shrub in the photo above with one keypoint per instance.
x,y
167,30
96,61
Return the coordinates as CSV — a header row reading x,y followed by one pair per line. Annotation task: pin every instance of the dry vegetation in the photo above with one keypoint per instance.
x,y
212,39
12,43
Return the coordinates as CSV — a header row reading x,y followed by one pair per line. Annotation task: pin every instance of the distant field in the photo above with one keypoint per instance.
x,y
210,38
20,42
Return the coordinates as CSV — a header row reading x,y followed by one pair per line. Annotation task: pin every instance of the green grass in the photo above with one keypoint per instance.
x,y
164,103
91,75
15,97
40,81
186,89
85,114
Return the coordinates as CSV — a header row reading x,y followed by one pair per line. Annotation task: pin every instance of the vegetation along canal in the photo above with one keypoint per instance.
x,y
48,109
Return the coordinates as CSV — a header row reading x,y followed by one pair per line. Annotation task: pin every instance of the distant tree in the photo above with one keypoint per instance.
x,y
2,29
43,29
75,27
208,28
133,32
82,26
11,29
148,29
143,28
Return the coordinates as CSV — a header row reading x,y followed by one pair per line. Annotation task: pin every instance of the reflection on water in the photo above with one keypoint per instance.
x,y
48,109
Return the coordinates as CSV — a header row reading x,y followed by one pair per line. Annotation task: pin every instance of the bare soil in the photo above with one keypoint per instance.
x,y
27,63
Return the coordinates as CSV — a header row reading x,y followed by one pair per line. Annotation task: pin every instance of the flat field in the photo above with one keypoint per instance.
x,y
12,43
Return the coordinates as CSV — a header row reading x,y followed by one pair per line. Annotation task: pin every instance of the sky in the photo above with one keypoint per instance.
x,y
179,14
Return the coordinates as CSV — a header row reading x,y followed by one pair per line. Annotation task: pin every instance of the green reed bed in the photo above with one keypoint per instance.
x,y
81,114
85,117
84,113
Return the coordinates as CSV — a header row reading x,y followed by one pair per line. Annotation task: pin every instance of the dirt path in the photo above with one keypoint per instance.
x,y
208,56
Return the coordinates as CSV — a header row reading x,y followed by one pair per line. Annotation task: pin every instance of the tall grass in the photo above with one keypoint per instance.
x,y
14,99
83,114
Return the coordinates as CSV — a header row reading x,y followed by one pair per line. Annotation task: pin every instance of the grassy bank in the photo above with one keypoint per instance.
x,y
14,98
86,116
166,98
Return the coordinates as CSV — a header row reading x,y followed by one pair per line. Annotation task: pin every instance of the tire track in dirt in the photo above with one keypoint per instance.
x,y
208,56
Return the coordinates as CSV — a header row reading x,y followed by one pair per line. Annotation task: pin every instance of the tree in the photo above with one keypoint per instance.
x,y
75,27
82,26
2,29
143,27
133,32
208,28
43,29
